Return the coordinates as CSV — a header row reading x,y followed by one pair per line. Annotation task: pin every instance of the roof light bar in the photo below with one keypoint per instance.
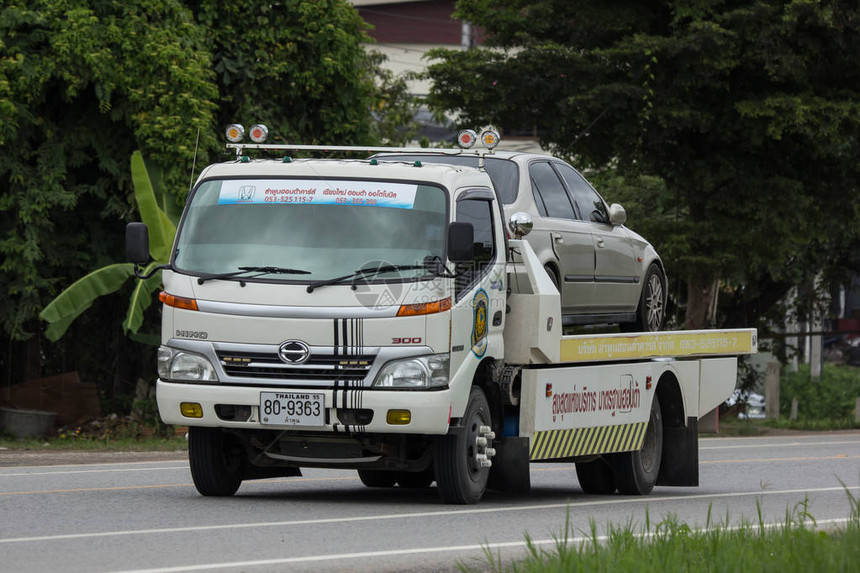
x,y
259,133
466,138
490,139
235,133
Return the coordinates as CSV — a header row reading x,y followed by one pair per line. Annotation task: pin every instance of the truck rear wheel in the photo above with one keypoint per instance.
x,y
216,461
377,478
461,458
596,477
636,473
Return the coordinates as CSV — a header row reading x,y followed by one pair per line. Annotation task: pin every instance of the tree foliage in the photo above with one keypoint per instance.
x,y
747,110
84,83
80,296
296,66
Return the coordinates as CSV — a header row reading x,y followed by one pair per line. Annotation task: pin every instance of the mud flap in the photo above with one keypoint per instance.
x,y
510,471
680,465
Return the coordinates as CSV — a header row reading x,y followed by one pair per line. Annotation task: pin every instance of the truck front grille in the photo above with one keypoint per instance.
x,y
318,367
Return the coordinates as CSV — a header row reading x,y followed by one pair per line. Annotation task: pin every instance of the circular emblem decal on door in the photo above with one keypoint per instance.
x,y
480,310
294,352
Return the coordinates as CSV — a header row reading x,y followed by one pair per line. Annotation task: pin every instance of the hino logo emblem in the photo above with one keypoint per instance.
x,y
294,352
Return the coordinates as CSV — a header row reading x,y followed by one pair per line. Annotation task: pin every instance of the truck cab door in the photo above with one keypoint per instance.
x,y
478,311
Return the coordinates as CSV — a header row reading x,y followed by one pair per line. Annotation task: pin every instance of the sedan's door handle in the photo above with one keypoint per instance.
x,y
600,243
559,239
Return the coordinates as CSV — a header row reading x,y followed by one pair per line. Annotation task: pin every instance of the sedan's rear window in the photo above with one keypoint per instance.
x,y
503,173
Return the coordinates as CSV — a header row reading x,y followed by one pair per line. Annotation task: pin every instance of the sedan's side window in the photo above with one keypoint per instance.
x,y
549,192
591,206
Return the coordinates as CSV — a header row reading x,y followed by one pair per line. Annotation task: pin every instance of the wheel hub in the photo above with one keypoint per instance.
x,y
480,452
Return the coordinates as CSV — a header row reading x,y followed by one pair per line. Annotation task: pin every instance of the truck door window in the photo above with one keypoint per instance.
x,y
549,192
478,212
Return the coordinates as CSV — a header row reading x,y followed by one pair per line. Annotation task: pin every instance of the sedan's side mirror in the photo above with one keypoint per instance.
x,y
461,242
137,243
617,214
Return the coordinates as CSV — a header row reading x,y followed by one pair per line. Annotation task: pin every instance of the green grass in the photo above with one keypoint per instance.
x,y
670,546
732,426
832,397
123,444
814,425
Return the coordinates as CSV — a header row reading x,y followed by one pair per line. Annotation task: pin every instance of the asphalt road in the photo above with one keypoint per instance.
x,y
146,515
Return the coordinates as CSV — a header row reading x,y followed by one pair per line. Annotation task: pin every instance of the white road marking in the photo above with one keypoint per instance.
x,y
418,550
785,445
69,472
43,466
425,514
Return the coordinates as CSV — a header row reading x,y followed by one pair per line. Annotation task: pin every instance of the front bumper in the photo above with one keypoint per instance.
x,y
430,410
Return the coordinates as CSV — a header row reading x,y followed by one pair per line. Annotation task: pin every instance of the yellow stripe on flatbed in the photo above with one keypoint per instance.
x,y
676,344
559,444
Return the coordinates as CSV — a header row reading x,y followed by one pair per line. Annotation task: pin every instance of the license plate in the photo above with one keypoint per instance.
x,y
292,409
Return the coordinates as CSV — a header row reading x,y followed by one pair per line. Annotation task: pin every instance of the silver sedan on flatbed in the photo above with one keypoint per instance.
x,y
605,272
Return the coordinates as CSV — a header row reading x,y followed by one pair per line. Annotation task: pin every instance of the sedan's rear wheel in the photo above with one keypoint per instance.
x,y
651,312
553,277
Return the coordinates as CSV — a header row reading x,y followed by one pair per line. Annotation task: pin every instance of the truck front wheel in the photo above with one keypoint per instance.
x,y
216,461
461,459
636,472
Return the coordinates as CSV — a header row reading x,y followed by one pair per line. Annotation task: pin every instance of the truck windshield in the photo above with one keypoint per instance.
x,y
327,228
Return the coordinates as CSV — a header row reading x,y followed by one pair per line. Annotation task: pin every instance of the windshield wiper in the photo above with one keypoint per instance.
x,y
259,270
362,273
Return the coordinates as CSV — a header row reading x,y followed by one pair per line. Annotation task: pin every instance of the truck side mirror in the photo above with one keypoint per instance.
x,y
137,243
461,242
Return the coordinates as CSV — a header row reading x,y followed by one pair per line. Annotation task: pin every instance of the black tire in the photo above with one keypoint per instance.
x,y
636,473
217,461
460,478
377,478
416,480
596,477
553,277
651,311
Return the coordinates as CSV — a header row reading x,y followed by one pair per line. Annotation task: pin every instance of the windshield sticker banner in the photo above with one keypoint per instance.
x,y
317,192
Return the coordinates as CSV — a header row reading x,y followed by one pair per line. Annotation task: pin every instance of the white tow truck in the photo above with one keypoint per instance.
x,y
379,317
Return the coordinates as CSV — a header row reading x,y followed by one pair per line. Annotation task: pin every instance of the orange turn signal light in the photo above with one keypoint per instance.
x,y
177,301
425,307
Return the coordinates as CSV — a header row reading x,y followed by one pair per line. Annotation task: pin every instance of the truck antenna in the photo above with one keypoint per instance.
x,y
194,161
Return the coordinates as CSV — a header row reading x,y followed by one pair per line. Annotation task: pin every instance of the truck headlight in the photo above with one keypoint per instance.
x,y
184,366
420,372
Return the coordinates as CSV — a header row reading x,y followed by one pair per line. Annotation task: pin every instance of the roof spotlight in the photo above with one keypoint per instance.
x,y
259,133
466,138
490,138
235,133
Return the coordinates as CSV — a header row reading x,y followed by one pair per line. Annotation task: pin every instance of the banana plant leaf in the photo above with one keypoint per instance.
x,y
166,201
141,299
70,303
161,228
80,296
